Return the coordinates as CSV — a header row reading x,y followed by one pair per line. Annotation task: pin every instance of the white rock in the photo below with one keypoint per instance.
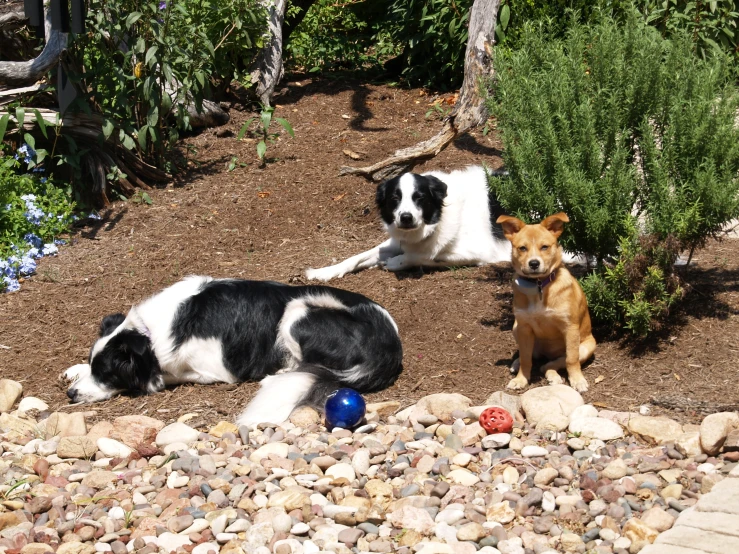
x,y
32,403
203,548
10,391
510,475
532,451
238,526
116,512
596,428
449,516
277,448
539,402
300,528
218,525
339,471
615,469
586,410
657,429
463,477
223,538
167,542
548,502
446,532
361,461
113,449
714,430
496,440
197,526
177,432
177,481
553,422
576,443
443,404
174,447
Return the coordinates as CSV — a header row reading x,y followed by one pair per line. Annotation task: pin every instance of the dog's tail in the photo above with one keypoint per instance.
x,y
280,394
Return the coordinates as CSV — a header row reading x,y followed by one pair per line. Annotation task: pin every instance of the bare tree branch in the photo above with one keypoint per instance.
x,y
468,112
269,69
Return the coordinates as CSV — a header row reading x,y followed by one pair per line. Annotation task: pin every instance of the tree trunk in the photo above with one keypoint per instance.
x,y
269,70
469,111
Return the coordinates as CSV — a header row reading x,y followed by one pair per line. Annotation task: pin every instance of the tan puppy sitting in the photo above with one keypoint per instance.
x,y
551,311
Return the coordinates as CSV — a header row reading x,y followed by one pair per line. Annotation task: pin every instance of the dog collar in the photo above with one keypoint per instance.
x,y
540,283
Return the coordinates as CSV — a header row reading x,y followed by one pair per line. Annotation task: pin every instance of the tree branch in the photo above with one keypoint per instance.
x,y
469,111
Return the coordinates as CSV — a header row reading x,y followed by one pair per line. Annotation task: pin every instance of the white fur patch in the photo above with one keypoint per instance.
x,y
277,398
296,310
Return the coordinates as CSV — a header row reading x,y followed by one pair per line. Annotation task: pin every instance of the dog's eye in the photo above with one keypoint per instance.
x,y
522,249
544,248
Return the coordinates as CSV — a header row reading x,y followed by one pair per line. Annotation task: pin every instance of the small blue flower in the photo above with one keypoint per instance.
x,y
50,249
60,242
27,266
43,179
93,216
33,240
7,269
11,285
162,5
28,197
34,253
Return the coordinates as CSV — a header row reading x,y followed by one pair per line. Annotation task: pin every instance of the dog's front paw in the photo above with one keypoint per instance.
x,y
518,383
75,372
580,384
322,274
396,263
554,378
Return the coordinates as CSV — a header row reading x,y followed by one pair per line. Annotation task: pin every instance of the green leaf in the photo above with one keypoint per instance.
x,y
244,128
41,154
128,142
30,140
505,15
41,123
146,198
261,149
4,125
266,117
140,46
143,132
20,116
108,128
132,18
286,125
150,53
153,117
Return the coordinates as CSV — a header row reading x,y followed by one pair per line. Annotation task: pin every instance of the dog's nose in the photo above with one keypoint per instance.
x,y
406,218
534,264
71,393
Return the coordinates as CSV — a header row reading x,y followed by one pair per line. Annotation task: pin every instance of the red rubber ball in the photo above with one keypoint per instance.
x,y
496,420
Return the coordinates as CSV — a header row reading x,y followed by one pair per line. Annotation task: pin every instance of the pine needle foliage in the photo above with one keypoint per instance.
x,y
630,134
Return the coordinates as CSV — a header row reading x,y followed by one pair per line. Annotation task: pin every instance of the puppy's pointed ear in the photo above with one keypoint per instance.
x,y
555,223
511,225
110,323
437,188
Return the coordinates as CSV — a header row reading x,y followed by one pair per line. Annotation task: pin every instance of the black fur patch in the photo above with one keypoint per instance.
x,y
127,362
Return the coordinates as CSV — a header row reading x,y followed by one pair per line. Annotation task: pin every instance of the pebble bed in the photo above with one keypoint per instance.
x,y
426,479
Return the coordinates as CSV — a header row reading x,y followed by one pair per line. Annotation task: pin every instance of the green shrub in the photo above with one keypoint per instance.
x,y
335,36
621,129
142,62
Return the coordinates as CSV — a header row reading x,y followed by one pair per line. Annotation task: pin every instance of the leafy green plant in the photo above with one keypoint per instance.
x,y
332,36
144,62
262,132
615,125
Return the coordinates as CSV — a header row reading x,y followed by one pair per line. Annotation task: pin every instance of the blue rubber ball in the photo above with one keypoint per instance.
x,y
345,408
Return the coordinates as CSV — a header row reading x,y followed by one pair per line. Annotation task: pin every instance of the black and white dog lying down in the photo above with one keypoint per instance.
x,y
434,220
302,343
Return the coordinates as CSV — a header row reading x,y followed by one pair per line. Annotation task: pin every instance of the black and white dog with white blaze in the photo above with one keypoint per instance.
x,y
301,342
434,220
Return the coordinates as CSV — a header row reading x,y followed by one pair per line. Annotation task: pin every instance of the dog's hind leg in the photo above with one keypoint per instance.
x,y
278,396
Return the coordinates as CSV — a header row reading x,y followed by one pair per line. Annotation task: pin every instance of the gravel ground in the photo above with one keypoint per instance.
x,y
424,479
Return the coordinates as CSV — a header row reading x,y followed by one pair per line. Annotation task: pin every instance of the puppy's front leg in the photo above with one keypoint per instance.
x,y
574,372
525,337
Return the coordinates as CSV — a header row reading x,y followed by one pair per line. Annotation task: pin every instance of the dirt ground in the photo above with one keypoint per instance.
x,y
273,222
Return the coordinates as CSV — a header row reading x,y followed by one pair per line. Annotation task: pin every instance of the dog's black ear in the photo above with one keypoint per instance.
x,y
437,188
134,365
383,189
110,323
